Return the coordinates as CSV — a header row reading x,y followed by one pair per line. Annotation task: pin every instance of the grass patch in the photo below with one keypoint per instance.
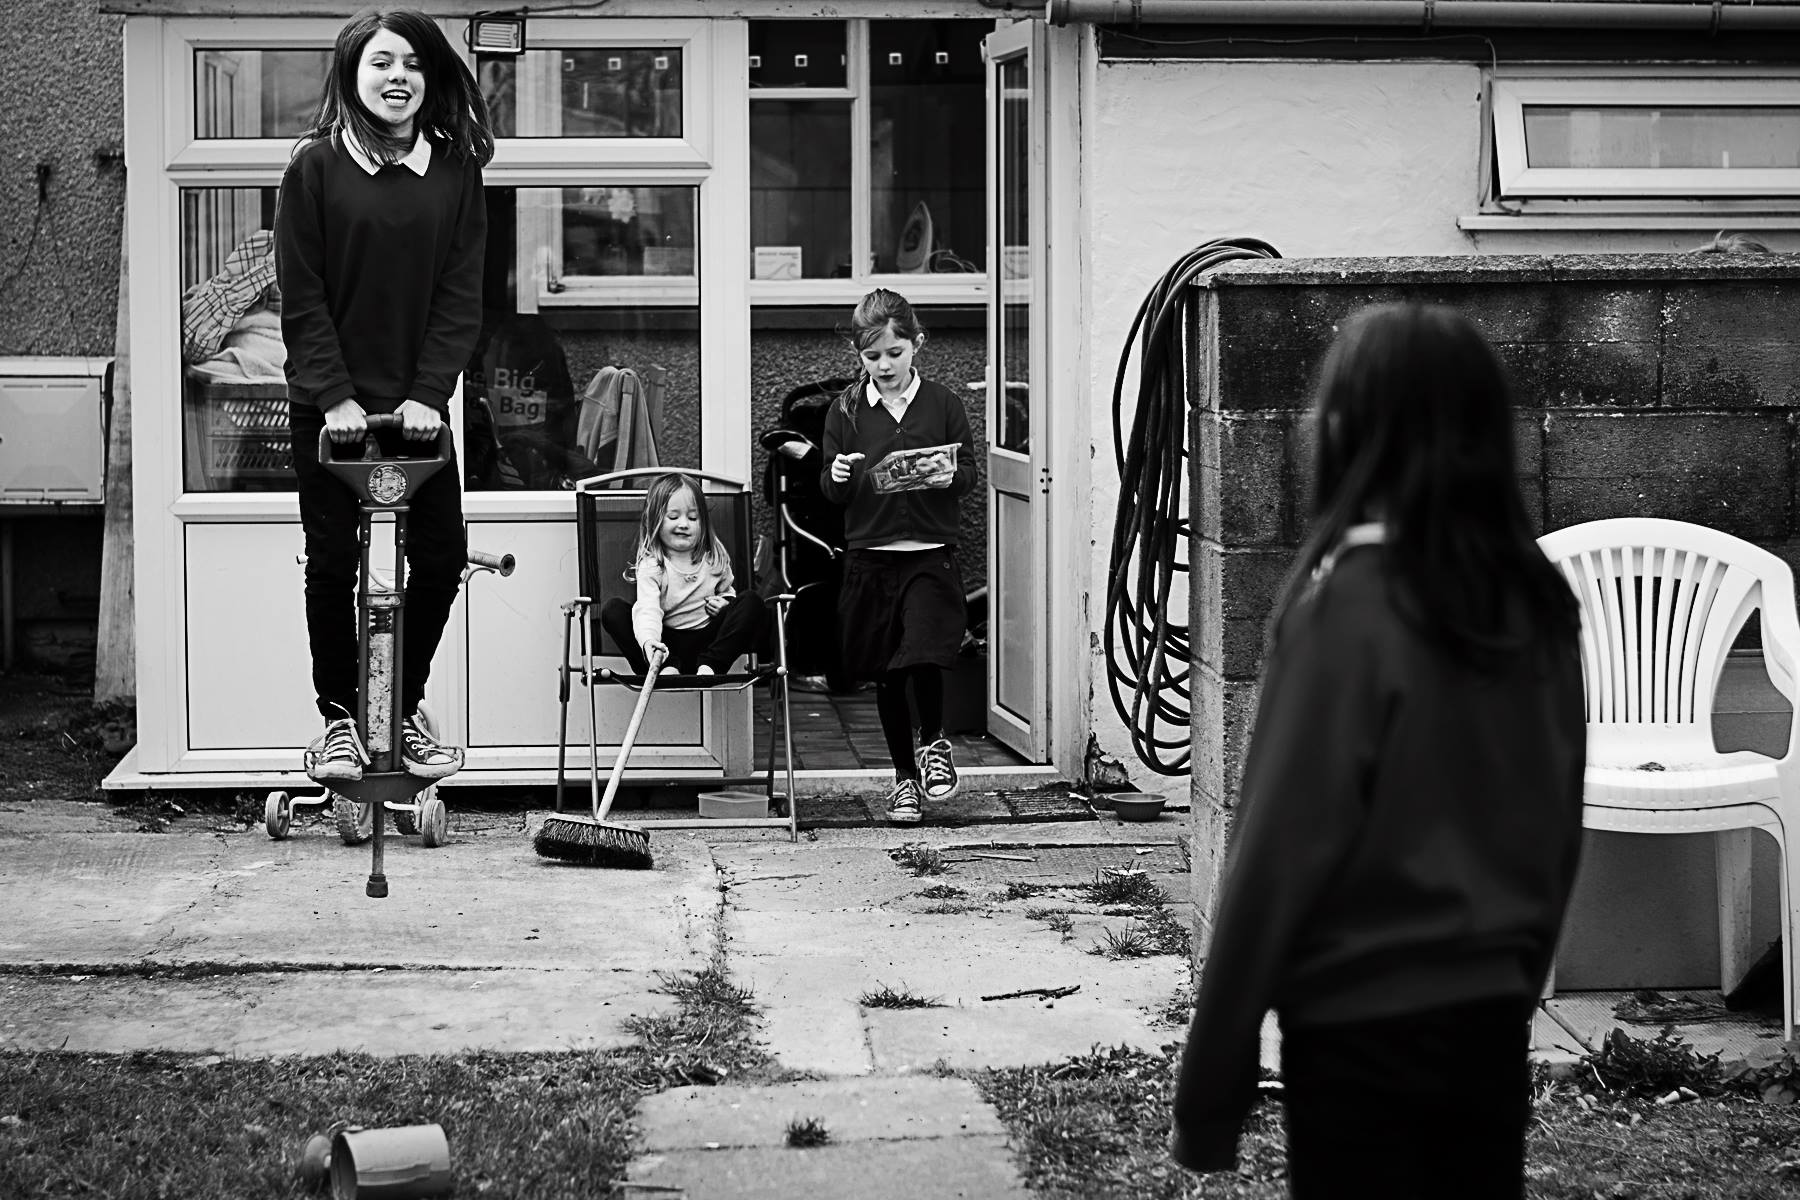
x,y
804,1133
919,858
943,891
946,908
1055,918
519,1125
1096,1127
531,1126
883,996
1019,889
1124,886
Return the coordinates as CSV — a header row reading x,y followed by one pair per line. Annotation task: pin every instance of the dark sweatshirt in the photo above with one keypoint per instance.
x,y
1406,839
380,276
935,417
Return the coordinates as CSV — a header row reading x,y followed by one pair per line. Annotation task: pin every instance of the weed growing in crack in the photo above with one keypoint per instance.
x,y
1127,886
919,858
943,891
1018,889
1130,942
806,1132
883,996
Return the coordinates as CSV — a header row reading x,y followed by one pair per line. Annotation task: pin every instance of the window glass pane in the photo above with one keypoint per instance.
x,y
603,92
628,231
797,54
1014,410
256,93
1638,136
800,189
927,145
575,390
234,389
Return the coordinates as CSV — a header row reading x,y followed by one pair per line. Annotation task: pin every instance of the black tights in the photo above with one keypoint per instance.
x,y
896,715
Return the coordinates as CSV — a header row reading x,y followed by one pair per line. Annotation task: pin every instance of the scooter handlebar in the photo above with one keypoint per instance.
x,y
443,444
501,563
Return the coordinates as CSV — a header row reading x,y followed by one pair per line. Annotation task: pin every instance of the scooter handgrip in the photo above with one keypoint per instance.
x,y
384,421
503,563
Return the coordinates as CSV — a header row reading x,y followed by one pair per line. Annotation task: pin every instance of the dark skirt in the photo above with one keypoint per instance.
x,y
900,608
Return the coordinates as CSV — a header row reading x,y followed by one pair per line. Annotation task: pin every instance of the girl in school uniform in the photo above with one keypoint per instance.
x,y
900,608
380,229
1410,815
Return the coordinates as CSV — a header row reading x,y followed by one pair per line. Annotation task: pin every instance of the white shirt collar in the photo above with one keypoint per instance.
x,y
417,160
905,397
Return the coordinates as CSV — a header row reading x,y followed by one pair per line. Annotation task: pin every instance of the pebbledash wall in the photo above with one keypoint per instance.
x,y
1647,385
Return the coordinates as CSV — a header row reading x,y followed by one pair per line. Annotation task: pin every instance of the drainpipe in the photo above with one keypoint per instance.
x,y
1718,16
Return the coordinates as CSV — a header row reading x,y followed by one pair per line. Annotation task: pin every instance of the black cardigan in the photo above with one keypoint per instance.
x,y
934,418
380,276
1406,839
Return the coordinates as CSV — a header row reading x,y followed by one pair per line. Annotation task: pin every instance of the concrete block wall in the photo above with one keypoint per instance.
x,y
1646,384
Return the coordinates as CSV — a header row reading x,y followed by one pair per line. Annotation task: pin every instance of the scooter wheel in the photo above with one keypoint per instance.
x,y
278,815
406,820
355,822
434,820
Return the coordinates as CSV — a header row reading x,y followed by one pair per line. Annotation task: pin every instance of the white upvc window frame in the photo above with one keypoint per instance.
x,y
960,289
560,162
1518,183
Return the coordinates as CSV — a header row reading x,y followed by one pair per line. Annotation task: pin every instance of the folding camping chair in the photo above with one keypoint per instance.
x,y
608,515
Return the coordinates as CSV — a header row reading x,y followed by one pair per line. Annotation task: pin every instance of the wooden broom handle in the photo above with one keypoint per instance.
x,y
637,718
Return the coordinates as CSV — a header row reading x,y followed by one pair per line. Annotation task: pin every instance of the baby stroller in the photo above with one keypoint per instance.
x,y
809,531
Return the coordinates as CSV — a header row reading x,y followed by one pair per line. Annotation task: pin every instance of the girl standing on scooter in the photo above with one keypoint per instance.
x,y
688,606
380,231
1410,814
901,604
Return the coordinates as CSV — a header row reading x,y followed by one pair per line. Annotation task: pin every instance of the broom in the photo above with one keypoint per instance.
x,y
593,841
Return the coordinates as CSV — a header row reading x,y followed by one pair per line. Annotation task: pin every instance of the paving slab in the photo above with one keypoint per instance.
x,y
1024,1034
811,933
1587,1018
917,1139
311,1012
852,1110
942,1169
242,898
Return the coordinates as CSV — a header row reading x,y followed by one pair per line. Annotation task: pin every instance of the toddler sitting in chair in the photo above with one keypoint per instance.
x,y
687,605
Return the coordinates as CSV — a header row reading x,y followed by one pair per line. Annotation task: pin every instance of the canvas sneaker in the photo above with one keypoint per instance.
x,y
937,770
338,754
423,755
904,802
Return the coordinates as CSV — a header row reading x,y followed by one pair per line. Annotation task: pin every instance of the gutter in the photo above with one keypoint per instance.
x,y
1717,16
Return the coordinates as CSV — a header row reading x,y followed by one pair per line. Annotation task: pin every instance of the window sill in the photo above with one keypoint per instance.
x,y
1624,222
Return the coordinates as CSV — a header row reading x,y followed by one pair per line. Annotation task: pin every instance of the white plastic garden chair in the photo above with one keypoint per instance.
x,y
1661,603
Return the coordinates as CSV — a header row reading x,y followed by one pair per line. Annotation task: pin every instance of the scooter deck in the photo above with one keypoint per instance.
x,y
381,787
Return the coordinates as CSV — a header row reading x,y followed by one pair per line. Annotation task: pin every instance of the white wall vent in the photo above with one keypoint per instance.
x,y
52,430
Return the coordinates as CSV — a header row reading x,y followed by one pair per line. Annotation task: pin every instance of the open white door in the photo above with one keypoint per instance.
x,y
1017,431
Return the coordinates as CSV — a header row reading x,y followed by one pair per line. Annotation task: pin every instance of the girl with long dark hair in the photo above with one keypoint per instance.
x,y
1410,815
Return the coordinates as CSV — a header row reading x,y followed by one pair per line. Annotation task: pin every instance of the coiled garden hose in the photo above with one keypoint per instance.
x,y
1147,647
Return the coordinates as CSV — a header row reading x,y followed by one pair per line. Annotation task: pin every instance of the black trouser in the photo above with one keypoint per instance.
x,y
1418,1107
732,631
437,550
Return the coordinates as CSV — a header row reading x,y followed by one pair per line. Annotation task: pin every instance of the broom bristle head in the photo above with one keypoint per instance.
x,y
592,843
